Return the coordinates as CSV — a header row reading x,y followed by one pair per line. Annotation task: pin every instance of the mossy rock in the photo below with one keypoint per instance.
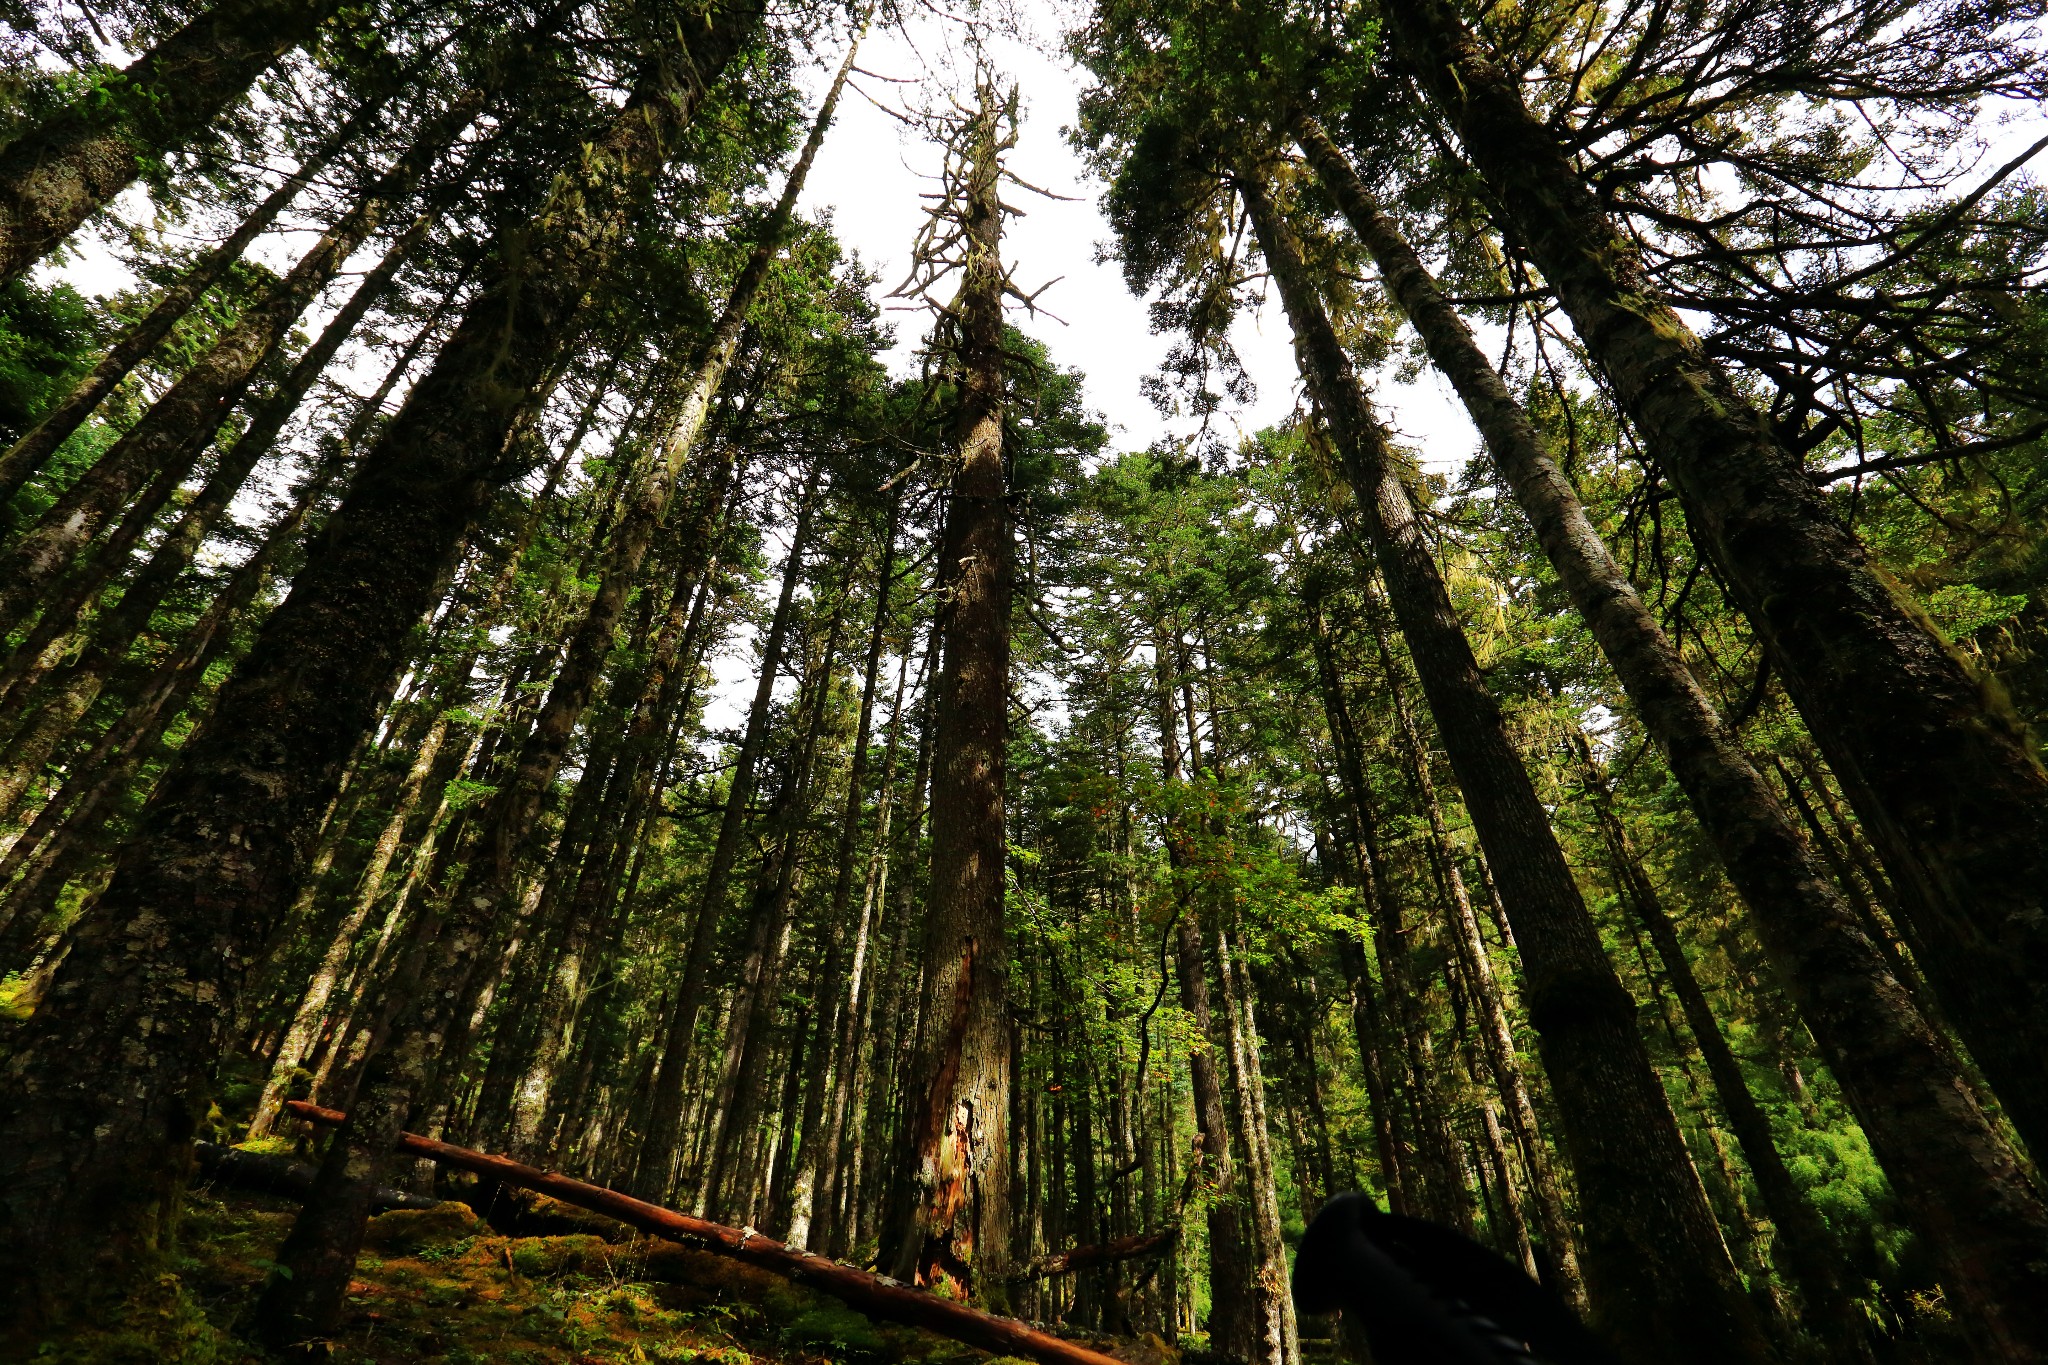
x,y
836,1332
407,1232
547,1258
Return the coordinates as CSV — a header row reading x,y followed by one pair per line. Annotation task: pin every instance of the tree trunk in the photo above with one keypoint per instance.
x,y
76,590
836,1022
959,1122
1472,957
26,457
111,1076
115,632
656,1159
1963,1188
1437,1187
57,174
871,1196
72,816
1233,1326
856,1018
179,424
1940,771
369,891
1656,1270
746,1080
1273,1303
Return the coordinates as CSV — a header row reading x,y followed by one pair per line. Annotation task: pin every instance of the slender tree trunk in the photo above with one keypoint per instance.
x,y
115,633
1438,1188
1272,1299
872,1194
837,1018
856,1018
1233,1326
179,424
747,1079
1808,1256
1942,773
1652,1255
57,174
74,591
959,1122
626,799
73,815
1964,1189
1498,1031
657,1154
26,457
92,1155
369,891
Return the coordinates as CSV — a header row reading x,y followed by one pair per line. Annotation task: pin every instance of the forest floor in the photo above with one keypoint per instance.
x,y
439,1285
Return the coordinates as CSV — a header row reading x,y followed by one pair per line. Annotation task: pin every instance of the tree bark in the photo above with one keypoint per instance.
x,y
115,632
1964,1189
960,1087
109,1079
1652,1255
1937,766
26,457
179,424
57,174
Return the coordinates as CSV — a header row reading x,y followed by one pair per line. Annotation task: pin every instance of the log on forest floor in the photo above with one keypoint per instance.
x,y
275,1173
877,1296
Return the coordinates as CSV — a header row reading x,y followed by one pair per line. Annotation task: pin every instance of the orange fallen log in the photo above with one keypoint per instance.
x,y
876,1295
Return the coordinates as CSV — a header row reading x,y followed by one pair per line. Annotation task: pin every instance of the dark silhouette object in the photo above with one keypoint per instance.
x,y
1425,1295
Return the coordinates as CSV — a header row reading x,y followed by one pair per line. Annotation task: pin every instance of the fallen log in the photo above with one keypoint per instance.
x,y
1095,1253
1122,1248
877,1296
274,1173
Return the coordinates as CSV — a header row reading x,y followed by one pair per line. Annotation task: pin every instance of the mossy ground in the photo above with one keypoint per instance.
x,y
438,1286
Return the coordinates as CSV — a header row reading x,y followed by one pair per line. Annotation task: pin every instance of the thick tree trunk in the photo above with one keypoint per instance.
x,y
960,1088
57,174
1942,774
1656,1270
1964,1189
109,1079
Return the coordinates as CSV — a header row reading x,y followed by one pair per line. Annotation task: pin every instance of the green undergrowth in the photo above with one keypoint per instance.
x,y
438,1285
